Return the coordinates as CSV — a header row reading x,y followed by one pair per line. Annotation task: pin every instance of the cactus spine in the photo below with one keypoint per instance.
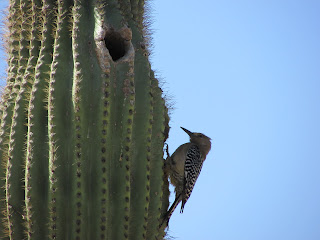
x,y
83,124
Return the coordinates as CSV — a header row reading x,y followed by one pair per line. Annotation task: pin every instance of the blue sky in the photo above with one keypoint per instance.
x,y
247,74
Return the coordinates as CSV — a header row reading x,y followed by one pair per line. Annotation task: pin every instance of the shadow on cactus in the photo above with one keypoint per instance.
x,y
83,124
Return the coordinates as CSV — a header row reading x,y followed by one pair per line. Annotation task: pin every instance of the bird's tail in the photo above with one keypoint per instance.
x,y
167,216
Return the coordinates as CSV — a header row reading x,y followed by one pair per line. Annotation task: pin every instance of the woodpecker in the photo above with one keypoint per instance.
x,y
184,166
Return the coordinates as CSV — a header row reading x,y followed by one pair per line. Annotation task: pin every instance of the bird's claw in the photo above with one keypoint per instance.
x,y
167,149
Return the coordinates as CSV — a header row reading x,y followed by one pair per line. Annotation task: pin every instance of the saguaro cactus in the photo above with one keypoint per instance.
x,y
83,123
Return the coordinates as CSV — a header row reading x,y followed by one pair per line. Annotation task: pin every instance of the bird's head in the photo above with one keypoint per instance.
x,y
199,138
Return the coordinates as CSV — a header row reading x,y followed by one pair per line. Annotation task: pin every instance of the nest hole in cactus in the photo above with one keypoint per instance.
x,y
116,44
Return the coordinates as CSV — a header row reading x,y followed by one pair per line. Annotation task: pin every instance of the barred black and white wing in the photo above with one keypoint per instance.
x,y
192,170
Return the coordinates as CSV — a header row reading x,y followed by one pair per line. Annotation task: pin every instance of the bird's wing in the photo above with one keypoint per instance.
x,y
192,170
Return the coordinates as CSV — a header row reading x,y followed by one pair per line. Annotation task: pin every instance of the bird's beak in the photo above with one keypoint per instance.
x,y
187,131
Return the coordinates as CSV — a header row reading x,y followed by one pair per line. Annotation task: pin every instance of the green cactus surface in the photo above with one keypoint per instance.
x,y
83,123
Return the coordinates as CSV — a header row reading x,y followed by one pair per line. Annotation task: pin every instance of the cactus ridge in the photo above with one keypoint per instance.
x,y
32,80
14,168
78,113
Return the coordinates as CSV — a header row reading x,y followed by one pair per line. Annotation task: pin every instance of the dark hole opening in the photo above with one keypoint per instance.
x,y
115,44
